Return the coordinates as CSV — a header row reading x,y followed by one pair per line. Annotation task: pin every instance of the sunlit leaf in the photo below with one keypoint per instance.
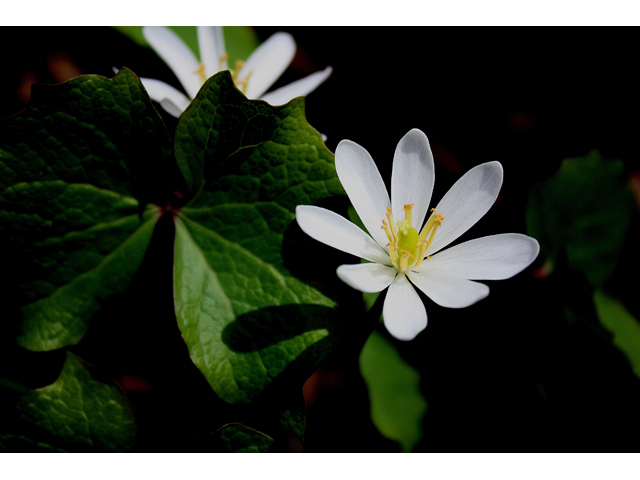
x,y
622,325
397,406
244,316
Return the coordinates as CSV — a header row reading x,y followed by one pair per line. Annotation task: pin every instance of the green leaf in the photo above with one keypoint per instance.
x,y
397,406
78,412
239,41
244,316
622,325
237,438
77,168
584,211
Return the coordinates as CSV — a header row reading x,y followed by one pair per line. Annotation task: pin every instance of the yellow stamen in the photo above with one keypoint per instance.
x,y
392,253
407,212
429,230
392,225
200,71
385,227
407,249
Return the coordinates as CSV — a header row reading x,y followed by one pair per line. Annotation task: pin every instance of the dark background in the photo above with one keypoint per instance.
x,y
513,372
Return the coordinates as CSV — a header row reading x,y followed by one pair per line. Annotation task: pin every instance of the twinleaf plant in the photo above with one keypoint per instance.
x,y
88,170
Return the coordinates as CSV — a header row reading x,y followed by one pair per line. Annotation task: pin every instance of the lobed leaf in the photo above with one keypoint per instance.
x,y
78,412
77,168
245,317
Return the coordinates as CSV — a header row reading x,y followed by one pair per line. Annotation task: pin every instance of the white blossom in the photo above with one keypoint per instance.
x,y
404,251
253,77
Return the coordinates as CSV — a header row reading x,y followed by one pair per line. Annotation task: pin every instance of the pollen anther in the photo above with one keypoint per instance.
x,y
407,248
201,72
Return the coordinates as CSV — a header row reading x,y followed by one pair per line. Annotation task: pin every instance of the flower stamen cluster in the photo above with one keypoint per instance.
x,y
407,248
241,84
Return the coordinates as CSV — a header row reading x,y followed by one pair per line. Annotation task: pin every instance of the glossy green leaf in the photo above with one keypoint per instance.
x,y
239,41
397,406
77,168
582,211
79,412
237,438
623,326
244,316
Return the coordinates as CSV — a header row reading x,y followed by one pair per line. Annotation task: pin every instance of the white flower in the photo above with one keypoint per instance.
x,y
403,258
253,77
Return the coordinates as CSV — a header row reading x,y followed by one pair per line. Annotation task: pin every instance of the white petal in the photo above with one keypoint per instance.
x,y
338,232
448,291
177,55
267,63
211,43
403,311
466,202
412,177
364,185
367,277
304,86
172,100
495,257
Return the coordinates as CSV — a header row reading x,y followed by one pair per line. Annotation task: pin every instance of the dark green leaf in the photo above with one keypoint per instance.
x,y
244,316
397,406
583,211
79,412
236,438
77,168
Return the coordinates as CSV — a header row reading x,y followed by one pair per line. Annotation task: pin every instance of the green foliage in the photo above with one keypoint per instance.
x,y
79,412
237,438
622,325
244,316
397,406
76,171
582,211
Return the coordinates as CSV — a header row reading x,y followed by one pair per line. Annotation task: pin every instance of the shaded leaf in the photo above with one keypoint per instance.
x,y
582,211
397,406
244,316
78,412
237,438
77,168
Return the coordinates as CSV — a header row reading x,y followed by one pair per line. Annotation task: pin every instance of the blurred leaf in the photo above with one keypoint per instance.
x,y
244,316
584,210
237,438
624,327
78,412
77,168
397,406
239,41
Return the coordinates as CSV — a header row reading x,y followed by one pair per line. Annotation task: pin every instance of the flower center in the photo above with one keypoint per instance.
x,y
406,247
240,83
